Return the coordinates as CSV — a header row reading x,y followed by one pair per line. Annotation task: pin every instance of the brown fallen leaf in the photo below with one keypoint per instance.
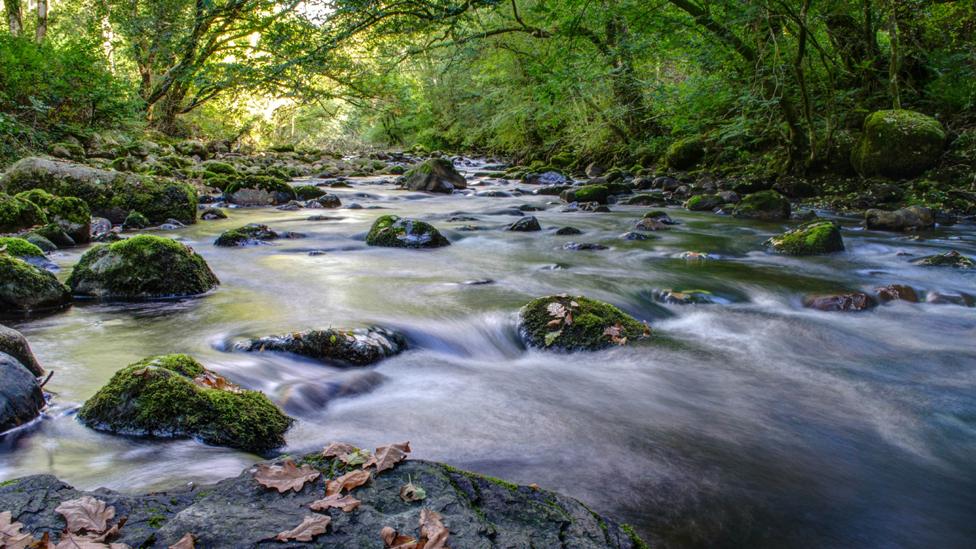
x,y
311,526
346,503
10,534
211,380
346,482
336,449
534,486
433,530
388,456
76,541
86,514
394,540
615,333
188,541
411,492
286,476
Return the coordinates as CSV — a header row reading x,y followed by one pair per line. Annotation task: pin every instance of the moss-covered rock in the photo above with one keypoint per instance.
x,y
898,144
173,396
818,237
308,192
43,243
19,247
332,346
259,190
586,193
765,205
685,154
392,231
576,323
71,214
435,175
248,235
25,288
951,258
109,194
17,214
218,167
141,267
135,220
53,233
704,202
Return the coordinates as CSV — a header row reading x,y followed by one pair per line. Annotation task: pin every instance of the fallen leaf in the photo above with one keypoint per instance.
x,y
346,482
552,336
388,456
615,332
534,486
433,530
76,541
647,329
86,514
286,476
412,492
336,449
394,540
188,541
211,380
311,526
346,503
556,309
10,534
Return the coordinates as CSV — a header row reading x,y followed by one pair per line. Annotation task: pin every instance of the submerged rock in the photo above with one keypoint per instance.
x,y
526,224
211,214
576,323
764,205
141,267
897,292
898,144
15,344
550,177
25,288
343,347
567,231
248,235
856,301
684,297
586,193
392,231
21,398
259,190
436,175
173,396
910,218
951,258
819,237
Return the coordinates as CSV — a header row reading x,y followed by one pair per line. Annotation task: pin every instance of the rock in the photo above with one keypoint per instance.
x,y
819,237
70,214
15,344
479,511
259,190
42,243
211,214
395,232
292,206
896,292
337,347
910,218
649,199
594,170
135,220
108,193
951,258
856,301
651,224
436,175
20,248
660,216
550,177
584,246
632,235
21,398
764,205
173,396
704,202
950,298
328,201
586,193
100,226
684,297
685,153
142,267
25,288
249,235
566,231
898,144
665,183
591,325
308,192
526,224
193,147
17,214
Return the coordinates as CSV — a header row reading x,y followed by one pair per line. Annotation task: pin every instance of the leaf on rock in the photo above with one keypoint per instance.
x,y
311,526
336,449
346,503
388,456
552,336
647,329
556,310
615,333
86,514
412,492
394,540
10,534
286,476
188,541
433,530
346,482
77,541
211,380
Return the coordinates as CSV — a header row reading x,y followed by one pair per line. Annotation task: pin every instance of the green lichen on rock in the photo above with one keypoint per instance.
x,y
135,220
24,288
704,202
18,247
250,234
71,214
576,323
17,213
173,396
951,258
392,231
587,193
685,153
898,144
141,267
818,237
764,205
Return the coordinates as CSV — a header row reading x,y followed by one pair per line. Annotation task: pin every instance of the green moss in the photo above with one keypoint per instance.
x,y
475,476
308,192
71,214
41,242
17,213
24,287
764,205
587,193
590,324
135,220
265,183
951,258
18,247
218,167
704,202
685,153
395,232
898,144
818,237
156,521
634,538
159,397
252,233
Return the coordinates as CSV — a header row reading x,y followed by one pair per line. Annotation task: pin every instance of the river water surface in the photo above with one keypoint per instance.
x,y
768,425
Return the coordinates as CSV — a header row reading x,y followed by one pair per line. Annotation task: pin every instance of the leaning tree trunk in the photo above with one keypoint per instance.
x,y
14,18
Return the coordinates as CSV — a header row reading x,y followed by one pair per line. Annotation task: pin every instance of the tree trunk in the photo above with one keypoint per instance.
x,y
14,18
41,30
894,64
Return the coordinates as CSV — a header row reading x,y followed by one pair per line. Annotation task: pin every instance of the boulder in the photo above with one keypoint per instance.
x,y
72,215
15,344
586,193
21,398
764,205
852,302
308,192
135,220
704,202
951,258
576,323
526,224
647,199
25,288
20,248
685,154
211,214
249,235
818,237
17,214
259,190
435,175
395,232
108,193
173,396
550,177
897,292
904,219
325,201
332,346
141,267
898,144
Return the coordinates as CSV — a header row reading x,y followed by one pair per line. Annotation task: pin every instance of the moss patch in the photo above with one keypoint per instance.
x,y
25,288
395,232
572,323
17,213
819,237
898,144
765,205
18,247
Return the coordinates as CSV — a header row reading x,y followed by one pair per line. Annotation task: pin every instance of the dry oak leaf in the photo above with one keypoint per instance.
x,y
346,503
311,526
388,456
211,380
393,540
188,541
346,482
10,534
411,492
75,541
286,476
336,449
86,514
433,530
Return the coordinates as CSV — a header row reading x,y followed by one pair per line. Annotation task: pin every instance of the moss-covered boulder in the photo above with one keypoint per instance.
x,y
333,346
259,190
21,398
435,175
912,218
898,144
764,205
685,154
704,202
249,235
15,344
818,237
576,323
586,193
392,231
19,247
218,167
17,213
141,267
25,288
135,220
308,192
173,396
71,214
952,258
108,193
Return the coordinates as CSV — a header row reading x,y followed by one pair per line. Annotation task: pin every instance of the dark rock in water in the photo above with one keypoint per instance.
x,y
764,205
238,512
514,212
704,202
551,190
583,246
565,231
660,217
25,288
897,292
142,267
291,206
493,194
950,298
819,237
576,323
530,208
684,297
951,258
395,232
856,301
259,190
213,213
342,347
526,224
904,219
173,396
586,193
21,398
323,218
436,175
312,396
324,201
645,200
551,177
651,224
249,235
461,218
632,235
479,282
468,228
15,344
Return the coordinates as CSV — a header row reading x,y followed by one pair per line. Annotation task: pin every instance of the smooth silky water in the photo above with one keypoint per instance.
x,y
764,424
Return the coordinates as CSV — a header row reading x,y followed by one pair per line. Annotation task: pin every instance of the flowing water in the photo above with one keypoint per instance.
x,y
767,425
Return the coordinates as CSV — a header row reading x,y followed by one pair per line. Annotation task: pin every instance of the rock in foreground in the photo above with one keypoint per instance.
x,y
21,398
15,344
576,323
392,231
342,347
25,289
